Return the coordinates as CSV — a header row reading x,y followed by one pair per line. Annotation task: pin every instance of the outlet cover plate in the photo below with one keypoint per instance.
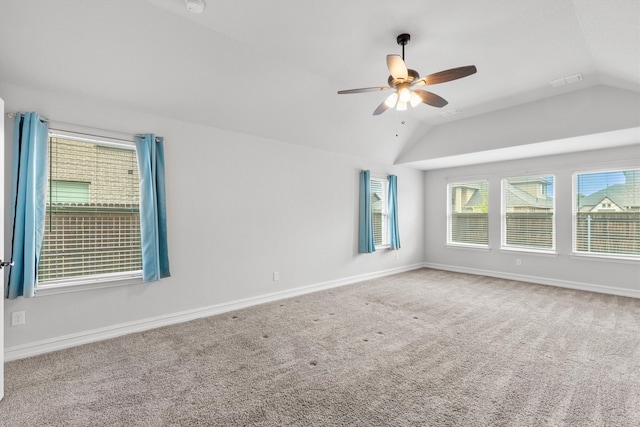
x,y
18,318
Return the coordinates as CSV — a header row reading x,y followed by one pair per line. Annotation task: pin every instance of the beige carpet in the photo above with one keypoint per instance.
x,y
423,348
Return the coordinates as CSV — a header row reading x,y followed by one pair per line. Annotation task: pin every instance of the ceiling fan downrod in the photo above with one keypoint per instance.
x,y
402,40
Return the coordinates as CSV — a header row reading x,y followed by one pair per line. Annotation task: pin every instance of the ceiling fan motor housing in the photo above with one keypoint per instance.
x,y
411,76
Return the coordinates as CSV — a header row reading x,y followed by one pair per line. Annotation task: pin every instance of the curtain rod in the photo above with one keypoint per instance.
x,y
59,126
379,174
13,116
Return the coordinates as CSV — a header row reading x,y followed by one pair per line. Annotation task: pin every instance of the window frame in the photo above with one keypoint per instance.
x,y
96,281
384,183
449,195
504,246
574,218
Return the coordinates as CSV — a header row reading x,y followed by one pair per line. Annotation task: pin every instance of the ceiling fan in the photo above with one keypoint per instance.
x,y
407,82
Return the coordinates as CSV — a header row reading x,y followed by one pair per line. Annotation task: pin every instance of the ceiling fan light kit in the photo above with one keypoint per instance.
x,y
406,83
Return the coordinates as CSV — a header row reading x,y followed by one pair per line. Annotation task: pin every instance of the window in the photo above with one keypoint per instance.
x,y
606,220
528,213
468,213
92,225
68,192
379,211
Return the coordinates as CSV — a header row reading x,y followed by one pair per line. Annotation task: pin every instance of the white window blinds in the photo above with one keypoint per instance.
x,y
528,213
607,213
379,211
92,224
468,213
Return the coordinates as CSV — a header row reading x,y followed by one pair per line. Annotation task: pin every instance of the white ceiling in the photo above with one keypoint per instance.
x,y
272,68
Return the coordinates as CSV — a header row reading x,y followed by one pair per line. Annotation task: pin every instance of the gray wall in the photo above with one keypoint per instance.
x,y
605,275
239,208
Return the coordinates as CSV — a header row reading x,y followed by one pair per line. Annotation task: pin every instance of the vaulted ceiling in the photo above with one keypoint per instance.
x,y
272,68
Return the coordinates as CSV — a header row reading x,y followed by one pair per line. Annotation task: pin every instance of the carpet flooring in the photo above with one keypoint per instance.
x,y
422,348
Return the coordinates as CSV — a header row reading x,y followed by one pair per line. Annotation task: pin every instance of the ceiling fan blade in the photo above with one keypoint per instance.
x,y
431,98
381,108
397,67
446,75
364,89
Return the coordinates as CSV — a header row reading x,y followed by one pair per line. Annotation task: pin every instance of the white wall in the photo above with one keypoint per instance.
x,y
239,208
584,112
619,277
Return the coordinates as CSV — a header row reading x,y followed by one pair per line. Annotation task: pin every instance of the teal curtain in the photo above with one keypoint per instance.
x,y
28,202
394,233
153,209
365,232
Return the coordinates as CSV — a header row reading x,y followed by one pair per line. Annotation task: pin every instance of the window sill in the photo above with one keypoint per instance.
x,y
472,247
89,284
604,258
530,251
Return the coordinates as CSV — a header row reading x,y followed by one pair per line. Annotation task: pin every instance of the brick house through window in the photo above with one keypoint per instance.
x,y
92,224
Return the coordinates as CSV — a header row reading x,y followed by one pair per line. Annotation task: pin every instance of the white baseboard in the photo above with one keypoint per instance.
x,y
624,292
85,337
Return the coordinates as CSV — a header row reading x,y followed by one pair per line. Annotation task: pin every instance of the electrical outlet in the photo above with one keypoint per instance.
x,y
518,261
18,318
276,276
